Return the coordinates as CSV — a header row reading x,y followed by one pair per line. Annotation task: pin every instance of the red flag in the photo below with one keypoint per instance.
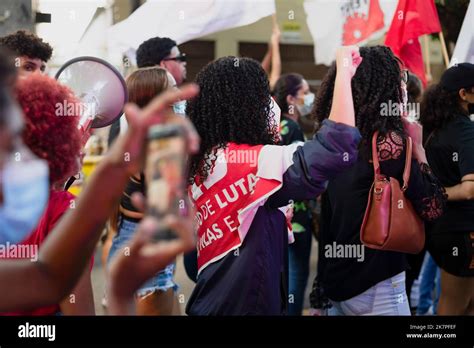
x,y
413,18
359,27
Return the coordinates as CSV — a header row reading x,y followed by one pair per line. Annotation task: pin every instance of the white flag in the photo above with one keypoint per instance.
x,y
334,23
464,50
184,20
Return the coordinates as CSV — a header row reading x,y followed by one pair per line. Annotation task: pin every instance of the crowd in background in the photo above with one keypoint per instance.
x,y
312,180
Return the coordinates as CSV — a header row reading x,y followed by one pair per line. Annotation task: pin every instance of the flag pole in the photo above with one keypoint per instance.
x,y
426,45
443,48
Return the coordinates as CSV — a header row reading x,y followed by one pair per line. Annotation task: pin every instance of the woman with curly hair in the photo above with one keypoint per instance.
x,y
367,281
53,136
449,142
240,179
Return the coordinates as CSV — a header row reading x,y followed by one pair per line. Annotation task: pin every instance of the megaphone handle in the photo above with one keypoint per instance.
x,y
69,183
85,128
85,137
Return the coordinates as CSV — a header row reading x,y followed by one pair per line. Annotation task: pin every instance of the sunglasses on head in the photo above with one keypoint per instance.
x,y
180,58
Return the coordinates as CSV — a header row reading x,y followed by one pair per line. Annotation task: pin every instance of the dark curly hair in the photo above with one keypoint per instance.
x,y
51,136
438,107
287,84
152,51
376,81
24,43
414,88
233,105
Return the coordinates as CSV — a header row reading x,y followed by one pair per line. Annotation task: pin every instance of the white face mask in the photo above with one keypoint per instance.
x,y
25,190
305,109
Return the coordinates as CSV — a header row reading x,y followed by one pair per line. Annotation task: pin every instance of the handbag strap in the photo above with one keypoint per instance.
x,y
407,168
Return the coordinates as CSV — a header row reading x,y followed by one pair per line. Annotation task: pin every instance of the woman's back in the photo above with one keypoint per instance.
x,y
347,268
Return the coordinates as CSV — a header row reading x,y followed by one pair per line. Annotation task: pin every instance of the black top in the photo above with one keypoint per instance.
x,y
290,131
358,268
301,221
450,153
135,184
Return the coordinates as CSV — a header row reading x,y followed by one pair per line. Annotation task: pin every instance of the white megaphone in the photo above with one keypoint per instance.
x,y
100,88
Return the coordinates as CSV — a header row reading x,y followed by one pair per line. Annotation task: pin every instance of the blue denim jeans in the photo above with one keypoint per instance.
x,y
430,282
385,298
298,256
163,280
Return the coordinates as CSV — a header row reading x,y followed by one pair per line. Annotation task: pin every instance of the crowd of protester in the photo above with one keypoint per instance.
x,y
248,235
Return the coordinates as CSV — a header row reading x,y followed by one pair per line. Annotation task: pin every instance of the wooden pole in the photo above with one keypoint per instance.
x,y
426,46
443,48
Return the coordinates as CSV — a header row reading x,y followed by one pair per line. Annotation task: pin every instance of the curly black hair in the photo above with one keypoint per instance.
x,y
287,84
414,88
438,107
24,43
233,105
152,51
376,81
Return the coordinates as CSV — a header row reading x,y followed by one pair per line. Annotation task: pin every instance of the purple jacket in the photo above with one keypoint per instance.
x,y
253,279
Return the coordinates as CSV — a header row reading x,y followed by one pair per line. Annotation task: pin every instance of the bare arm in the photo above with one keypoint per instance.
x,y
61,260
67,250
81,300
267,60
347,61
275,72
462,191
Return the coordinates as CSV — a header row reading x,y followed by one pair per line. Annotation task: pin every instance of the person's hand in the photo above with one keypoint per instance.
x,y
128,149
275,38
144,258
347,60
318,312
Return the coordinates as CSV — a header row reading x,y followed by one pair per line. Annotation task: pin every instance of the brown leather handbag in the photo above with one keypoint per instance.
x,y
390,222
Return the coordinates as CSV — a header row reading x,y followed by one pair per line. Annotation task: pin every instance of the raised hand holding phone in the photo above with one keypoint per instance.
x,y
165,175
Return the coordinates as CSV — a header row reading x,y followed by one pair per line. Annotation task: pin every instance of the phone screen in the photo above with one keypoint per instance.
x,y
165,174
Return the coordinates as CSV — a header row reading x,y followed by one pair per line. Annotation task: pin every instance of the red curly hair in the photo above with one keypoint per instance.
x,y
50,134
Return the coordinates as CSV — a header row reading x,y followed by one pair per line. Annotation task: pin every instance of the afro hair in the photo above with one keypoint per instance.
x,y
24,43
153,51
52,136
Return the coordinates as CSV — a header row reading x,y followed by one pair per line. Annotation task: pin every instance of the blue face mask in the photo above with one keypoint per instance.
x,y
180,107
25,190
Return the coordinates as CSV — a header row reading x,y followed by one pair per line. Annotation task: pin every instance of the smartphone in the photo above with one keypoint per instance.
x,y
165,175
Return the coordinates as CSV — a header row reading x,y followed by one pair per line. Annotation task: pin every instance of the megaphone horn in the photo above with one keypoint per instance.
x,y
100,88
